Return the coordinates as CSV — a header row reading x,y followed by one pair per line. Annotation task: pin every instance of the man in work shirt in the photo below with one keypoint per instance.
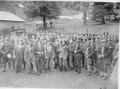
x,y
71,53
78,55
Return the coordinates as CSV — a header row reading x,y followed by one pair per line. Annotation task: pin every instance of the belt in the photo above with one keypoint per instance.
x,y
79,52
39,53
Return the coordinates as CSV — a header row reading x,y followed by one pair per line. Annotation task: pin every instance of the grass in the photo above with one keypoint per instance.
x,y
74,26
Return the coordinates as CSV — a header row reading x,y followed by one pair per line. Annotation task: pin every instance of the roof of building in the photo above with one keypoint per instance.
x,y
8,16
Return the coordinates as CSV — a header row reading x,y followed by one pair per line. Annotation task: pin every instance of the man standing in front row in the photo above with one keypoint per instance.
x,y
107,59
19,57
71,53
88,54
78,53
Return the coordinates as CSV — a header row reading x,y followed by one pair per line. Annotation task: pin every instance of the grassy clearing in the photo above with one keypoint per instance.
x,y
74,26
77,27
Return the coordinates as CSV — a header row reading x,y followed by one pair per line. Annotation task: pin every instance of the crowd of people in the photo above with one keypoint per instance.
x,y
37,52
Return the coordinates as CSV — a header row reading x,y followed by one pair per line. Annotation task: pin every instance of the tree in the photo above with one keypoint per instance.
x,y
9,6
116,12
77,6
84,8
43,9
101,10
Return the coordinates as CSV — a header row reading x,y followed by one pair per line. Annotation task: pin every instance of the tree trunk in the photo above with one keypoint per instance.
x,y
44,22
85,8
84,18
103,21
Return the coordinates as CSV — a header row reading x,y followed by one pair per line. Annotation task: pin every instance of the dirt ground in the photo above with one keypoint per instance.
x,y
53,79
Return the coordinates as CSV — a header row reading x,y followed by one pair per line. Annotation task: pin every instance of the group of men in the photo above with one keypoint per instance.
x,y
37,52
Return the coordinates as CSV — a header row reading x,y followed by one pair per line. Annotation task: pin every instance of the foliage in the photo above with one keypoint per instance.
x,y
8,6
44,9
102,10
77,6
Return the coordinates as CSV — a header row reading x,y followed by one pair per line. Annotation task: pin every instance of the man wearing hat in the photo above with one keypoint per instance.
x,y
78,53
4,50
54,55
94,55
49,55
107,59
115,54
97,52
19,56
10,49
1,44
31,64
83,43
71,53
63,55
39,56
100,58
88,55
27,54
57,44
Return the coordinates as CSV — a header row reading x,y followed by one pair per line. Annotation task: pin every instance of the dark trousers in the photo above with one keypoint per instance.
x,y
19,62
39,63
83,60
4,61
78,61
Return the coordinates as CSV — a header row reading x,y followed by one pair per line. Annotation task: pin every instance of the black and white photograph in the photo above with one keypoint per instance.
x,y
59,44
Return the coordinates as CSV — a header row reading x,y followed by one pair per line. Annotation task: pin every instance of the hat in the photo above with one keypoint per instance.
x,y
103,40
105,33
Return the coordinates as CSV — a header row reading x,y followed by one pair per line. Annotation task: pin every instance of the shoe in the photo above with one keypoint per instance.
x,y
79,72
15,72
82,66
38,74
104,78
30,72
70,69
88,74
3,70
97,73
101,76
76,70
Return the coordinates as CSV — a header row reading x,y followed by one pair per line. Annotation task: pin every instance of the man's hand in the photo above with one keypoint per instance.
x,y
112,66
46,57
75,51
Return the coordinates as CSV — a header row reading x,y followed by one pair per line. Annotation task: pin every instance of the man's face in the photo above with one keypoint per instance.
x,y
103,43
92,40
63,42
71,40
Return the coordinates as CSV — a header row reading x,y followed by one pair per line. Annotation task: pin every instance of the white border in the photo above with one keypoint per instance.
x,y
72,0
69,0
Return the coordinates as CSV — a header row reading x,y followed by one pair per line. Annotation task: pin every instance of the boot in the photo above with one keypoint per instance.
x,y
79,72
3,70
38,74
105,76
101,75
88,73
